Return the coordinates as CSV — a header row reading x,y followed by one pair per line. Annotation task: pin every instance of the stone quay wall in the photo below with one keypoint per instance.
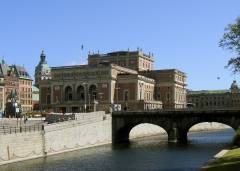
x,y
73,135
91,130
20,146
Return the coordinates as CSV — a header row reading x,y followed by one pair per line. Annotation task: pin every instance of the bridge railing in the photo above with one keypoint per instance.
x,y
182,110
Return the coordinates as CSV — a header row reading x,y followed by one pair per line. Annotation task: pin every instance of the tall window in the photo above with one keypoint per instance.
x,y
168,96
48,99
68,93
126,95
93,92
80,93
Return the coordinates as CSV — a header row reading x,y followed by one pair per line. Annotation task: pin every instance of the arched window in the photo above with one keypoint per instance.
x,y
93,92
68,93
80,93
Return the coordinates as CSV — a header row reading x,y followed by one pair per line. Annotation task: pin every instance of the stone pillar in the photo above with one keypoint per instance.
x,y
182,136
176,134
172,135
120,132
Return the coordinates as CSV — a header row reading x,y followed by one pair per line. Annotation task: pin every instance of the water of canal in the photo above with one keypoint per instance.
x,y
144,154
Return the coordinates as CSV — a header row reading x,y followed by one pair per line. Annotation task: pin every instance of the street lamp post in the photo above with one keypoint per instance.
x,y
89,102
117,88
100,100
15,110
85,97
141,84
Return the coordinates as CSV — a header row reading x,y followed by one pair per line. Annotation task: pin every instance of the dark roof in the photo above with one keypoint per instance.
x,y
21,72
3,69
208,92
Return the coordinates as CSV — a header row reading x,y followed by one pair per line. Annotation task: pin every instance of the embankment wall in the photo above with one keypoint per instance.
x,y
56,138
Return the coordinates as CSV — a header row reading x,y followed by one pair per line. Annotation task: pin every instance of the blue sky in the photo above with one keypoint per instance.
x,y
181,34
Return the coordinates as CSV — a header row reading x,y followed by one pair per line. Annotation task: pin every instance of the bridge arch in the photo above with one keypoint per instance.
x,y
225,122
145,129
184,130
122,133
204,126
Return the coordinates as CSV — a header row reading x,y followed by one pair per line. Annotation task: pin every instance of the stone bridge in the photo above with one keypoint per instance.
x,y
175,122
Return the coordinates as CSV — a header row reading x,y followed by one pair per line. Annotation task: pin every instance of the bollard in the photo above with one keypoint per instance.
x,y
8,152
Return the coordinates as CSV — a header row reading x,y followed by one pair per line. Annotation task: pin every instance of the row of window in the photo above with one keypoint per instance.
x,y
148,96
180,78
152,106
92,93
180,97
207,98
26,102
222,103
25,89
26,95
146,64
26,82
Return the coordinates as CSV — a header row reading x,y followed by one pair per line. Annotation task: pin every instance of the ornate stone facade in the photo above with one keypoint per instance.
x,y
135,60
107,82
170,87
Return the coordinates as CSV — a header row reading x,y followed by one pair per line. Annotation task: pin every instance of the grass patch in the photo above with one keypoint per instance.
x,y
236,139
230,161
232,153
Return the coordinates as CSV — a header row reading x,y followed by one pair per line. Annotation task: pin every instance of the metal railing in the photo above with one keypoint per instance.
x,y
13,130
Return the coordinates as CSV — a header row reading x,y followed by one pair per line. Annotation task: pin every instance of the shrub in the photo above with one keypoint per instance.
x,y
236,139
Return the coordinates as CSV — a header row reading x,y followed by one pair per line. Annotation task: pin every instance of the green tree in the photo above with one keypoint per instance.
x,y
231,41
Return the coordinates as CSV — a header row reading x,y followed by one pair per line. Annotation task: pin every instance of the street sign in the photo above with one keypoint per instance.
x,y
117,107
17,109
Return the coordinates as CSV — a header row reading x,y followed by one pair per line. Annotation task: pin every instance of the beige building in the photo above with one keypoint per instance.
x,y
220,99
109,81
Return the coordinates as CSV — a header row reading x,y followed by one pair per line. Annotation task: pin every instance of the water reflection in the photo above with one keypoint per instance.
x,y
149,153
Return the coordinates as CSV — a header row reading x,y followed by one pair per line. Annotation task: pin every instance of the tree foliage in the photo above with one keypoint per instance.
x,y
231,41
